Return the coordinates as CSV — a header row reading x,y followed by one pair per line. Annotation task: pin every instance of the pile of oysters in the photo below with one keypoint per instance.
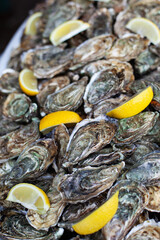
x,y
80,167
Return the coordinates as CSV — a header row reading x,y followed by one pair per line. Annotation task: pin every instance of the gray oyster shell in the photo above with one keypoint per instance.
x,y
100,23
15,227
93,49
147,170
12,144
145,231
9,81
134,128
86,183
47,61
154,134
19,108
33,161
51,86
154,199
68,98
132,200
127,48
90,135
7,125
57,206
104,84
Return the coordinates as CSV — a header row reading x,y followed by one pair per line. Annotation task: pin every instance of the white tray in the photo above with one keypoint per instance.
x,y
14,42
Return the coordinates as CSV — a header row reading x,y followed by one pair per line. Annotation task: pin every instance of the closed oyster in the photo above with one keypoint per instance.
x,y
9,81
88,136
134,128
146,61
104,84
68,98
15,226
86,183
12,144
147,170
147,230
51,86
93,49
127,48
33,161
57,205
154,199
100,23
47,61
19,108
132,200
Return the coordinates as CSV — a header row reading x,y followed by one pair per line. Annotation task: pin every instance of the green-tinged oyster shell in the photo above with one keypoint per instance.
x,y
9,81
132,200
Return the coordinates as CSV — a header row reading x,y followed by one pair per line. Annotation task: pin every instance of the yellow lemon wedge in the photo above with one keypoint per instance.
x,y
133,106
53,119
28,82
99,218
145,28
29,196
67,30
30,28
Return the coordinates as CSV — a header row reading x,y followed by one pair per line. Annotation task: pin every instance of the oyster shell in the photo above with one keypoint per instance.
x,y
51,86
7,125
47,61
100,23
33,161
93,49
19,108
117,5
68,98
147,170
12,144
147,230
9,81
154,134
154,199
86,183
132,200
134,128
57,205
15,226
88,136
127,48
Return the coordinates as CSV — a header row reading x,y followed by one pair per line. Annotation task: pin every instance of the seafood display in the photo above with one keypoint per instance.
x,y
81,164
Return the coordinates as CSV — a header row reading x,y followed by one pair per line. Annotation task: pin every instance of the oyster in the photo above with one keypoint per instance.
x,y
68,98
134,128
147,170
127,48
33,161
19,108
154,134
100,23
86,183
93,49
147,230
9,81
154,199
47,61
51,86
15,226
57,205
88,136
104,84
12,144
132,200
7,125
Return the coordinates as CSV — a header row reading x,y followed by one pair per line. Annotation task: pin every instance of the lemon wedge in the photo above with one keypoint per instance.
x,y
30,28
29,196
53,119
99,218
145,28
67,30
28,82
133,106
